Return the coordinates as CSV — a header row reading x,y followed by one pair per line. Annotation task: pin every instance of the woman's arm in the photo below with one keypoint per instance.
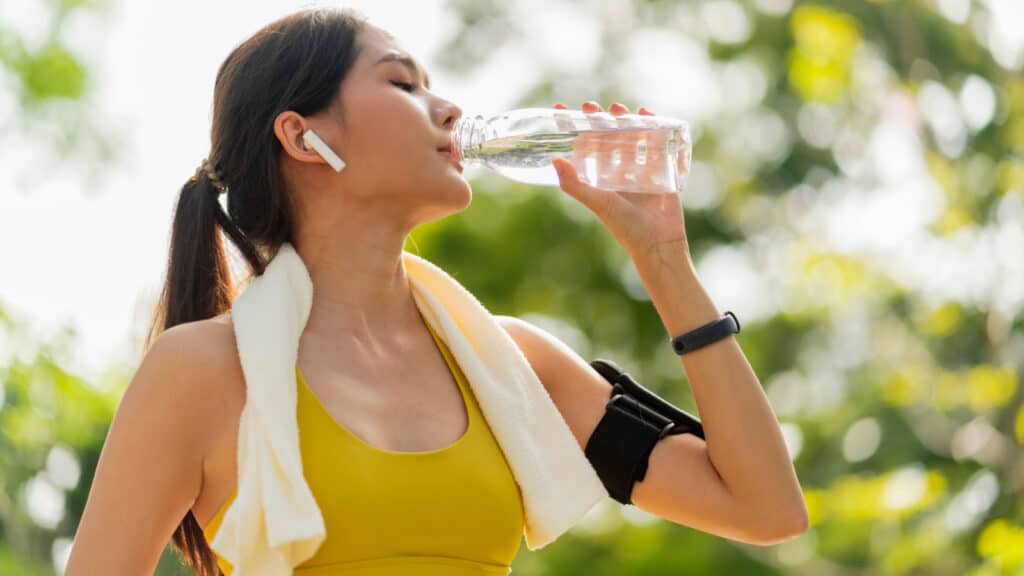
x,y
682,484
150,469
740,482
744,442
744,445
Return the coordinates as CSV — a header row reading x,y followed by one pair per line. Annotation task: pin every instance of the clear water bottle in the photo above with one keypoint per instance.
x,y
628,152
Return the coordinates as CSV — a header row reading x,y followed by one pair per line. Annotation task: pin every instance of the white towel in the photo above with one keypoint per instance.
x,y
274,523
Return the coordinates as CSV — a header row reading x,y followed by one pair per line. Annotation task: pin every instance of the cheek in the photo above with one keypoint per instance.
x,y
389,130
386,123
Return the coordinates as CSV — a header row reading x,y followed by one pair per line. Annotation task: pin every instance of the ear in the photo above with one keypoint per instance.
x,y
289,127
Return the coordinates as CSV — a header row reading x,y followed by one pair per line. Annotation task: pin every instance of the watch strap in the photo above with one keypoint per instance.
x,y
707,334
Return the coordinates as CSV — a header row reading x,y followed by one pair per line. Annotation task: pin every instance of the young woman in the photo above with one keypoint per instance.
x,y
386,413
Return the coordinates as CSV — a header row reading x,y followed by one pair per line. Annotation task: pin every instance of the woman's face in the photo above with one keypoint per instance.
x,y
394,127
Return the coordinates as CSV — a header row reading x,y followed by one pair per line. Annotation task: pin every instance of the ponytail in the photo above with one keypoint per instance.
x,y
197,286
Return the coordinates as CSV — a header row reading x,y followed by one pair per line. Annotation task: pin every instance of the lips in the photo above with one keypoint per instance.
x,y
449,153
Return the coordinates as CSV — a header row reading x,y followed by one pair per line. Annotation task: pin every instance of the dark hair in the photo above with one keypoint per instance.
x,y
295,63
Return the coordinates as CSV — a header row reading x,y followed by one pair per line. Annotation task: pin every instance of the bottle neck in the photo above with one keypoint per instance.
x,y
467,137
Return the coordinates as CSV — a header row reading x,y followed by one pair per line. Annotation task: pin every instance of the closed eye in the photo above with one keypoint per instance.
x,y
405,86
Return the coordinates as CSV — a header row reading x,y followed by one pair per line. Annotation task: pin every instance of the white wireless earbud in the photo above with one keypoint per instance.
x,y
314,142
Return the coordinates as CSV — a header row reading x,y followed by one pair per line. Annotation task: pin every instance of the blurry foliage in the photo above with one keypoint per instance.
x,y
820,61
52,88
50,73
863,182
45,412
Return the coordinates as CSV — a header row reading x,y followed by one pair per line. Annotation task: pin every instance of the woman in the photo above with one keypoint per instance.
x,y
381,401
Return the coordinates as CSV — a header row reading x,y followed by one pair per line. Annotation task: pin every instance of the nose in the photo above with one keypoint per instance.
x,y
448,113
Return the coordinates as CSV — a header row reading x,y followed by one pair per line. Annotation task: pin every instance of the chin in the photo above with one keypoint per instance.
x,y
455,188
469,200
447,199
461,198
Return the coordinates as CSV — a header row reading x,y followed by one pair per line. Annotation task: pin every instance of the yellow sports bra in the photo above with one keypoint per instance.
x,y
453,511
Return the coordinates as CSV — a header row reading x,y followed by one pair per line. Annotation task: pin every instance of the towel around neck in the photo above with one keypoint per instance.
x,y
274,523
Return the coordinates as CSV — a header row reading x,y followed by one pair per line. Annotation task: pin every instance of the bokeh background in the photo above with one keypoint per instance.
x,y
857,198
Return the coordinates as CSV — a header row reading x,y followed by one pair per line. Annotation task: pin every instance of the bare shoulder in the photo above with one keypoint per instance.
x,y
212,332
205,351
577,389
550,356
207,377
151,467
541,348
203,387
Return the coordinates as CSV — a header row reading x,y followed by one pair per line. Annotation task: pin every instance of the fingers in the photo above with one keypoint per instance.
x,y
615,108
626,151
618,108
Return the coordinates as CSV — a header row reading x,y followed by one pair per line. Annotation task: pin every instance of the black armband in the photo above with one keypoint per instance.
x,y
635,419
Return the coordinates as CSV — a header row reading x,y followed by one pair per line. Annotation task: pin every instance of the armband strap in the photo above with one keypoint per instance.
x,y
635,419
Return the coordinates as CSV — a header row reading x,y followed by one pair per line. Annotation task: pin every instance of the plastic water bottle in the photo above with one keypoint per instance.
x,y
628,153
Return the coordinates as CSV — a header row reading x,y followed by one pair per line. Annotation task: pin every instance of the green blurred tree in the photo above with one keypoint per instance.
x,y
52,88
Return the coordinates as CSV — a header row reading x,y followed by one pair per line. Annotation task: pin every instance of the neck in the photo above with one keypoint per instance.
x,y
362,299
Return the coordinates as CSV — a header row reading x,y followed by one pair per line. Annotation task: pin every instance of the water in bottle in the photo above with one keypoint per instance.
x,y
628,153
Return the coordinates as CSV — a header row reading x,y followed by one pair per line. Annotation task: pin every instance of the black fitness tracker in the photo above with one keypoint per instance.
x,y
707,334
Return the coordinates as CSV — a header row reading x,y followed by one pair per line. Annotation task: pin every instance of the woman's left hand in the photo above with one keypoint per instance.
x,y
642,223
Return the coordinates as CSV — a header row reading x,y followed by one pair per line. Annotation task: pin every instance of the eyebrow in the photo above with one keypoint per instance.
x,y
405,61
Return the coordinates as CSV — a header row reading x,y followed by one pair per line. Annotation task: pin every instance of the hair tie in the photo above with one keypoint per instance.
x,y
211,174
